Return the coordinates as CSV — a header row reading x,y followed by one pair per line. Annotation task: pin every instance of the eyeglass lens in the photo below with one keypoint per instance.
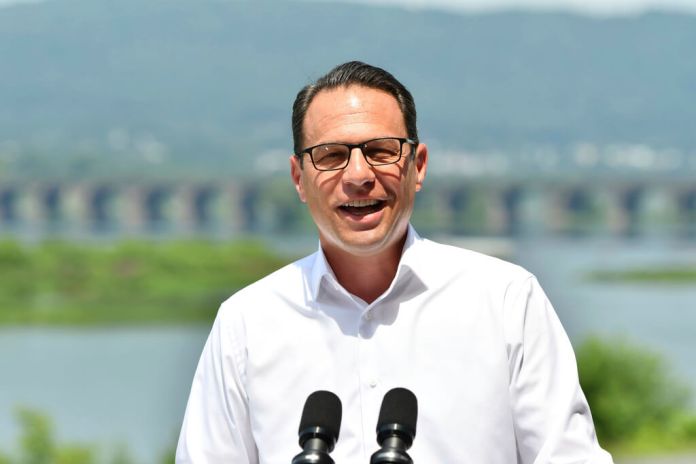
x,y
335,156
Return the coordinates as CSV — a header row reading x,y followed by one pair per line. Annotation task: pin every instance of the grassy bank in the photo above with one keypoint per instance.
x,y
140,282
128,282
677,275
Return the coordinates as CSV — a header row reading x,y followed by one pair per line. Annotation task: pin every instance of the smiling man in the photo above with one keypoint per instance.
x,y
361,204
377,307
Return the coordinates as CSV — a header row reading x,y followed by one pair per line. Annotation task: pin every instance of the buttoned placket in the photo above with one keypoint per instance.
x,y
370,373
368,357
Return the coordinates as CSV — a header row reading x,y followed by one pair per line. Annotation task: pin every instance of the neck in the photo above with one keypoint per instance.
x,y
366,277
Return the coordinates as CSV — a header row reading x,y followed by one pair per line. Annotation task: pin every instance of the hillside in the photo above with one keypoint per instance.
x,y
205,86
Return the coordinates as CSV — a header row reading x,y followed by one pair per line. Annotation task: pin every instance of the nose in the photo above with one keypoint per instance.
x,y
358,172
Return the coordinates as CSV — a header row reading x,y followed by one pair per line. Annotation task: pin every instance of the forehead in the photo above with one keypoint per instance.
x,y
352,114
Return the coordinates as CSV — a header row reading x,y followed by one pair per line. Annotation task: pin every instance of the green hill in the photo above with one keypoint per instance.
x,y
205,86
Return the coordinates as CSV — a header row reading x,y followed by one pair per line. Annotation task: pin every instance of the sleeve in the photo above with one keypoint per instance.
x,y
552,419
216,425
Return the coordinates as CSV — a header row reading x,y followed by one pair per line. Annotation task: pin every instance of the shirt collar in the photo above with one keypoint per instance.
x,y
319,271
411,261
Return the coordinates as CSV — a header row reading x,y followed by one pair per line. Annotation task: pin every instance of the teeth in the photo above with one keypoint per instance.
x,y
361,203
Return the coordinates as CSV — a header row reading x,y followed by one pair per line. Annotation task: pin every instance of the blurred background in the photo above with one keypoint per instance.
x,y
144,178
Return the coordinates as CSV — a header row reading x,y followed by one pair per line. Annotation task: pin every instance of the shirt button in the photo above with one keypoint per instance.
x,y
368,316
373,383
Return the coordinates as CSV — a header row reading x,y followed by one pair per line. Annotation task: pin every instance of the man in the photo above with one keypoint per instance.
x,y
377,307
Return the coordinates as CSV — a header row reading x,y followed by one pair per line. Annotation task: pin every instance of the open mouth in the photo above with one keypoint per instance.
x,y
362,207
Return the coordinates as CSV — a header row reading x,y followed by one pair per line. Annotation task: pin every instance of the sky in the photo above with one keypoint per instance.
x,y
592,7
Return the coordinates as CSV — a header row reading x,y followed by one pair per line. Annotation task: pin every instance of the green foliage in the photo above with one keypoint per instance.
x,y
38,444
74,454
129,282
631,391
122,456
676,434
665,275
169,456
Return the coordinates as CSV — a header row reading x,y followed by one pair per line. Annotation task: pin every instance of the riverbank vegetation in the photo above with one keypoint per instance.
x,y
638,404
677,275
143,282
127,282
37,444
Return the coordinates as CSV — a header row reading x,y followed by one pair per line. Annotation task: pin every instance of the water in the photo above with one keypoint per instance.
x,y
129,385
105,386
661,317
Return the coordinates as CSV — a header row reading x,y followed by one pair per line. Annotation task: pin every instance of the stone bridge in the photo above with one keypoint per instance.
x,y
479,207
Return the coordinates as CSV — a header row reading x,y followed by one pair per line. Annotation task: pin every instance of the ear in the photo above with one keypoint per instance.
x,y
296,175
421,164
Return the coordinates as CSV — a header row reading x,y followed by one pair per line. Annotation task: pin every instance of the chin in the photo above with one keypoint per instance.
x,y
365,243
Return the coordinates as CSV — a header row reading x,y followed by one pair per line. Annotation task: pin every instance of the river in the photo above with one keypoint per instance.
x,y
129,386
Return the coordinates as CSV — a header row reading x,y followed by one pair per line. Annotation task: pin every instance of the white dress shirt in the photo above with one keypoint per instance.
x,y
475,338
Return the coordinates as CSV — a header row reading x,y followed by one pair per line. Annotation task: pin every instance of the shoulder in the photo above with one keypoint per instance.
x,y
509,291
286,286
450,262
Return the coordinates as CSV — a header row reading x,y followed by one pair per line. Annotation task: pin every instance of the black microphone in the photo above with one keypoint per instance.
x,y
396,427
319,427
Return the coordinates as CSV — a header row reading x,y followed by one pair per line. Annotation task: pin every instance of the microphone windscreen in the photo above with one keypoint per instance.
x,y
322,409
399,406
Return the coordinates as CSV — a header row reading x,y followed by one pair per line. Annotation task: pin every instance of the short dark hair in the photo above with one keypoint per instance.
x,y
353,73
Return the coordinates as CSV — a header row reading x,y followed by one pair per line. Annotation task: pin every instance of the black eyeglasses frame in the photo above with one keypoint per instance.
x,y
361,145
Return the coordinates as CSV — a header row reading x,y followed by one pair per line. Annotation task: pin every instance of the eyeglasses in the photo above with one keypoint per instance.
x,y
377,152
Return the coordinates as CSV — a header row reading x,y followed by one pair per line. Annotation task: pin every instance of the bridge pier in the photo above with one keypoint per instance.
x,y
9,206
221,210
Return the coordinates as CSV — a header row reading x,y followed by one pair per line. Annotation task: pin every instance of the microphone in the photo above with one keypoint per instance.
x,y
396,427
319,427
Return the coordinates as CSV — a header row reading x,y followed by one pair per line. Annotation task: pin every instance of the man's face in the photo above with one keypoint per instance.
x,y
361,210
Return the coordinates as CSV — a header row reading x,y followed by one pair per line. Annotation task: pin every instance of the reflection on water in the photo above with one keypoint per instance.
x,y
130,385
